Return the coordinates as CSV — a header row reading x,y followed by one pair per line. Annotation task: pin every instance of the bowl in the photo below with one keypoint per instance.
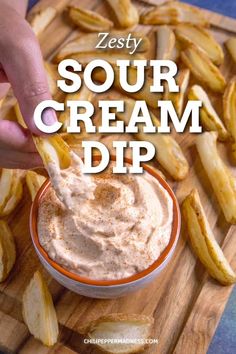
x,y
106,289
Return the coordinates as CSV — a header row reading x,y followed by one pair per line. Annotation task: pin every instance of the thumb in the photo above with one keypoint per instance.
x,y
23,64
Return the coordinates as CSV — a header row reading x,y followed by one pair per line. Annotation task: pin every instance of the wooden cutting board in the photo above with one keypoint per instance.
x,y
185,302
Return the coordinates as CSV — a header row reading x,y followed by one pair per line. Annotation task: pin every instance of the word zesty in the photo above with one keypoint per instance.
x,y
129,42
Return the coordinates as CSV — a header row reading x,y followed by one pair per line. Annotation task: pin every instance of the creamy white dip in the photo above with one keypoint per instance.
x,y
119,231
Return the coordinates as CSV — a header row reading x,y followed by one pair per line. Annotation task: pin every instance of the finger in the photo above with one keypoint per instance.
x,y
23,64
14,137
22,160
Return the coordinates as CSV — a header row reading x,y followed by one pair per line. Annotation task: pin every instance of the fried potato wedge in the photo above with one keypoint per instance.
x,y
165,43
209,118
117,326
111,57
88,42
34,181
11,190
42,19
38,311
203,69
221,178
168,151
144,94
203,241
231,46
229,107
172,13
84,94
19,117
193,34
53,149
126,13
7,250
182,79
89,20
52,76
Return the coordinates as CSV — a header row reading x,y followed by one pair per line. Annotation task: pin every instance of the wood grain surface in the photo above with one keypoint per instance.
x,y
184,301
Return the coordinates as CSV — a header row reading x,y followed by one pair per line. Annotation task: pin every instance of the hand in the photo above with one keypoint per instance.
x,y
21,65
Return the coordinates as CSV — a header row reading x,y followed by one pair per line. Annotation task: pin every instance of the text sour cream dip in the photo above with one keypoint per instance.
x,y
117,233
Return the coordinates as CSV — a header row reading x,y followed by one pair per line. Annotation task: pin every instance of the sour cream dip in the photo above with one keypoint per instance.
x,y
116,232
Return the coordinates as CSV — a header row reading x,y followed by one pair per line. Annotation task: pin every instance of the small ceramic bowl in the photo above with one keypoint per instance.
x,y
106,289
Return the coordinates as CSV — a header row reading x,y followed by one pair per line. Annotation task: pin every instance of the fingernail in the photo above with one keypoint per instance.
x,y
49,116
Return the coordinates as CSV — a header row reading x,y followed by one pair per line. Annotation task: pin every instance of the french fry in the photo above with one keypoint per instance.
x,y
182,79
42,19
1,102
116,326
126,13
53,149
11,190
193,34
34,181
38,311
111,57
209,118
203,69
203,241
172,13
7,250
165,43
88,42
89,20
144,94
84,94
169,153
229,107
19,117
221,178
52,76
231,46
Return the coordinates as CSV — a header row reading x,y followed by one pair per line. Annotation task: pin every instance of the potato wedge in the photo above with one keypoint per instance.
x,y
203,241
144,94
89,20
34,181
18,114
193,34
203,69
209,118
88,42
52,76
229,105
231,46
165,43
221,178
172,13
125,12
182,79
168,151
111,57
38,311
42,19
11,190
53,149
7,250
118,326
84,94
1,102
